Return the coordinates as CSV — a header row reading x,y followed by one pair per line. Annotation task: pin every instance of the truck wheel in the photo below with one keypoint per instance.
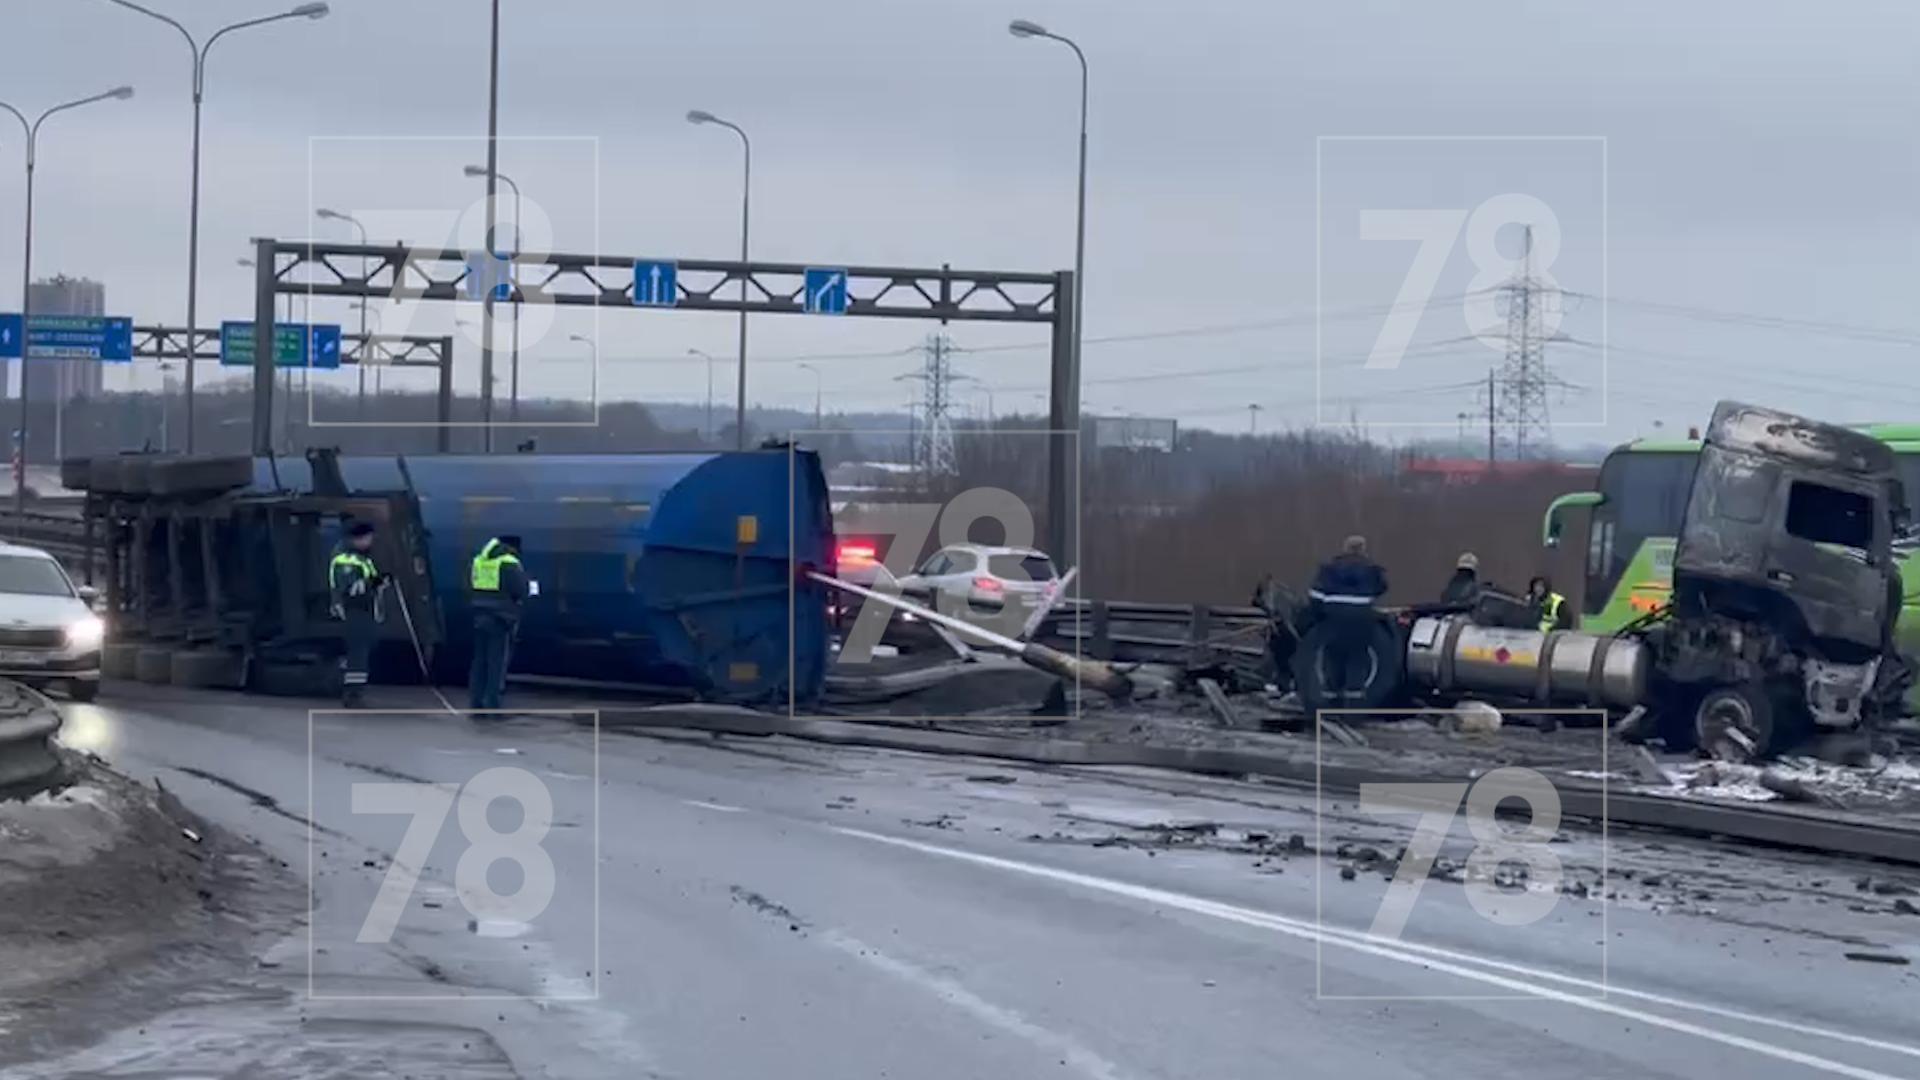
x,y
295,678
209,668
1385,675
1736,723
153,664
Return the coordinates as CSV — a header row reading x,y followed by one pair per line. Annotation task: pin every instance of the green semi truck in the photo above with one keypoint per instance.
x,y
1634,521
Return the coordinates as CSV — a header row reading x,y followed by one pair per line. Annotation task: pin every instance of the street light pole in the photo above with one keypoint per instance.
x,y
493,190
708,357
324,214
1023,29
698,116
304,11
31,146
816,394
513,365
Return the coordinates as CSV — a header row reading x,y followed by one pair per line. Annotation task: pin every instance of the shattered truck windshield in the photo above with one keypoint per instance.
x,y
1115,540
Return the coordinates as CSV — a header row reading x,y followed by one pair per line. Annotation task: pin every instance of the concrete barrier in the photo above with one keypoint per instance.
x,y
28,722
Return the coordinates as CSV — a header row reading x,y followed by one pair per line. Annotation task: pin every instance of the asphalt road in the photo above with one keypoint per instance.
x,y
758,908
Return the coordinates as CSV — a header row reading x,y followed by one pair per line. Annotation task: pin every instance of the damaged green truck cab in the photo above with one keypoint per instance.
x,y
1634,519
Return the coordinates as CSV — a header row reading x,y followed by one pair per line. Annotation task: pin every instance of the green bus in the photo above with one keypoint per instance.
x,y
1635,516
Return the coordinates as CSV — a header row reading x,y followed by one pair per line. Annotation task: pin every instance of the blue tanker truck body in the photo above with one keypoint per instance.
x,y
673,570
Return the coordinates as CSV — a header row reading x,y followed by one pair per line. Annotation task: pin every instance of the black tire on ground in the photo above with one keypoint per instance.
x,y
117,659
221,668
83,690
1743,723
1385,677
295,678
153,664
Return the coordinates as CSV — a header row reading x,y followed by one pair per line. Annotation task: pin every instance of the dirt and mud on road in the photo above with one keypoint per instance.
x,y
110,889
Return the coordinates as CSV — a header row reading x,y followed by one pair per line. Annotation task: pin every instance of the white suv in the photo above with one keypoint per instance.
x,y
980,583
48,631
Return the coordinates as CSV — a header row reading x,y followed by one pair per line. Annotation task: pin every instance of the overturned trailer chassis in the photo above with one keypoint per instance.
x,y
217,583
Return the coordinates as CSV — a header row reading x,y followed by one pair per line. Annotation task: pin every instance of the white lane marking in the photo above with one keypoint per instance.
x,y
1610,988
1070,1052
722,807
1391,951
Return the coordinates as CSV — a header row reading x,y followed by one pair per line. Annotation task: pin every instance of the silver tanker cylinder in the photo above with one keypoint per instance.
x,y
1561,667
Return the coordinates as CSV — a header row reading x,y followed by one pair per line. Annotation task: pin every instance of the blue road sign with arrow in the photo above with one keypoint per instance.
x,y
826,291
484,269
656,284
69,337
295,345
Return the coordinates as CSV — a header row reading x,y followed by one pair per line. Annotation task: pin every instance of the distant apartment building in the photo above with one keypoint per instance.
x,y
63,295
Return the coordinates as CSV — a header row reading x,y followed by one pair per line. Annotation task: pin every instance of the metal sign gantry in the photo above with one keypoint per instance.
x,y
384,350
399,272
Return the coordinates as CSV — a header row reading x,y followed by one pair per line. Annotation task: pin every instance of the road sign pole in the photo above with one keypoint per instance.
x,y
263,283
26,342
1063,422
193,241
444,404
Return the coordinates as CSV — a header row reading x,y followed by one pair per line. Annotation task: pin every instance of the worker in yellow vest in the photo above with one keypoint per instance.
x,y
499,587
1549,606
354,587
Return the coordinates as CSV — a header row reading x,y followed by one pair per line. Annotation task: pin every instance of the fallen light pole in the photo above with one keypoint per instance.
x,y
1082,671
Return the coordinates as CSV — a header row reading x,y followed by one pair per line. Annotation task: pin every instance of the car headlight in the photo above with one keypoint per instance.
x,y
86,633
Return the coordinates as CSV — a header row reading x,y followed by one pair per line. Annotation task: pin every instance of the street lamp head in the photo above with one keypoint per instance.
x,y
120,93
311,11
475,170
1024,28
701,116
325,214
580,338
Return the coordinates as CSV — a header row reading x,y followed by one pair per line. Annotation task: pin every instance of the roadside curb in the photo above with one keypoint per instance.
x,y
1830,831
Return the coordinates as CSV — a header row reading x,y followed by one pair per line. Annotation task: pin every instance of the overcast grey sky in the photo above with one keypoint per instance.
x,y
1759,161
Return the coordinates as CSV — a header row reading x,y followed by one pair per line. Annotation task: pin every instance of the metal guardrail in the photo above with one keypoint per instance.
x,y
64,536
1126,631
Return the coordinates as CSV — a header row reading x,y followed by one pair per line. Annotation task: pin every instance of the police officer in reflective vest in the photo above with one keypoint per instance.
x,y
354,586
500,586
1343,595
1549,606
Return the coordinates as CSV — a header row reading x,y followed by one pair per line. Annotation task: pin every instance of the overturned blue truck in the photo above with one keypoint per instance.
x,y
678,573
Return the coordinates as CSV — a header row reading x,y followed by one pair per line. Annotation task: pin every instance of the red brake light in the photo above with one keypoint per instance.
x,y
988,584
855,552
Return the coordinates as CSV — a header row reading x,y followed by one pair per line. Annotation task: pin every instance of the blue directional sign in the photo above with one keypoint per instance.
x,y
69,337
485,269
295,345
656,284
826,291
323,349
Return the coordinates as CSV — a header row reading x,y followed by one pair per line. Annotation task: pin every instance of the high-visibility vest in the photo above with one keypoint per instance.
x,y
487,564
351,560
1550,611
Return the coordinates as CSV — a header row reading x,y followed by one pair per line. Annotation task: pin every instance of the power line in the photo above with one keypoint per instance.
x,y
1852,331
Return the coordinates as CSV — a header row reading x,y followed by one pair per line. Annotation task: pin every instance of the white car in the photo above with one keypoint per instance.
x,y
977,582
49,634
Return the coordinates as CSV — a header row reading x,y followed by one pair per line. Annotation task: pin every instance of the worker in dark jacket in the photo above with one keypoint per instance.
x,y
1343,595
1463,588
500,586
354,591
1547,608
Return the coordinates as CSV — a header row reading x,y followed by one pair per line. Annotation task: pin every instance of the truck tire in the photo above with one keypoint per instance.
x,y
223,669
117,659
1742,723
295,678
153,664
1385,678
